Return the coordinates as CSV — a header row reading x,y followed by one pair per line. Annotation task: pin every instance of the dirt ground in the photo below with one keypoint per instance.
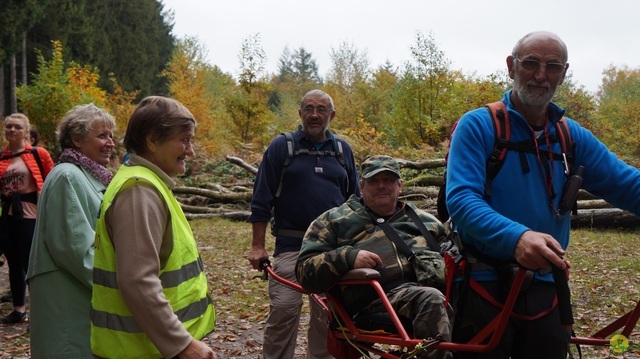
x,y
230,340
15,338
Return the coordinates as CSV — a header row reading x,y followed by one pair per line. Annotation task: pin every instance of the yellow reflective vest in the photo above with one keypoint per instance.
x,y
114,331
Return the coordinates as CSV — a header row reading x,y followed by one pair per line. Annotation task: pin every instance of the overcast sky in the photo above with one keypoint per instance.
x,y
475,35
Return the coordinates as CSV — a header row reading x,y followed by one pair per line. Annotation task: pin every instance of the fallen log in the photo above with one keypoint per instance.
x,y
424,180
607,218
238,161
421,165
429,192
422,190
218,187
201,209
216,196
234,216
594,204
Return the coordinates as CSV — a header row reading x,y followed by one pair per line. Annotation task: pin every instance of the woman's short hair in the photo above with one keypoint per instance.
x,y
79,121
157,117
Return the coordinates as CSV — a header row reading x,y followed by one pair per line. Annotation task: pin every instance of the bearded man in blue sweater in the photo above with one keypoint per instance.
x,y
519,218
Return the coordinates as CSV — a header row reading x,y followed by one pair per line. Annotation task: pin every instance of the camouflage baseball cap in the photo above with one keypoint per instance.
x,y
376,164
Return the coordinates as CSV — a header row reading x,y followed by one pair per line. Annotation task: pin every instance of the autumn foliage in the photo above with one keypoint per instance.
x,y
407,109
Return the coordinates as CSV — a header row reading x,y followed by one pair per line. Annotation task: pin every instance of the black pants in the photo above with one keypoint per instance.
x,y
17,236
545,337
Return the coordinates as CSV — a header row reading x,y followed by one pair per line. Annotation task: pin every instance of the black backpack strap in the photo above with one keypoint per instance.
x,y
5,157
36,155
337,141
34,152
339,151
287,161
290,147
392,234
433,244
441,201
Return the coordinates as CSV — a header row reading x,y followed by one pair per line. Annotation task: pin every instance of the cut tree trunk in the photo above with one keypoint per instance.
x,y
423,191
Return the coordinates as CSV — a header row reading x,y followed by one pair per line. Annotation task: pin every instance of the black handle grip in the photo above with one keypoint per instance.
x,y
564,295
571,190
264,263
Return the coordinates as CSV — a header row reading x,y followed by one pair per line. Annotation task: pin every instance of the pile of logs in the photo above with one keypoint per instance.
x,y
233,203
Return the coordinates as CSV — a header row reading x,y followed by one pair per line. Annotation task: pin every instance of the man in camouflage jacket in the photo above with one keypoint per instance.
x,y
347,237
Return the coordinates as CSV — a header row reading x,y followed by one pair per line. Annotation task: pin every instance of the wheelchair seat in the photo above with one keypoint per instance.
x,y
371,322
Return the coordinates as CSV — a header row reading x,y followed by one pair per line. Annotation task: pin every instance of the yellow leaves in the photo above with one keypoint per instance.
x,y
616,119
120,105
189,79
82,76
83,85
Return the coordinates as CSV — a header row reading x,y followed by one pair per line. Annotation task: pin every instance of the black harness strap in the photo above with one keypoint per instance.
x,y
393,235
34,152
292,153
502,132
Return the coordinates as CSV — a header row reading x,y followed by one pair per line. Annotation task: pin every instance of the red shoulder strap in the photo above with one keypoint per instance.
x,y
501,125
502,131
564,135
566,143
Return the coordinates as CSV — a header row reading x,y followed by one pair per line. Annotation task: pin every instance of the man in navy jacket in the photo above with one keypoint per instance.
x,y
321,175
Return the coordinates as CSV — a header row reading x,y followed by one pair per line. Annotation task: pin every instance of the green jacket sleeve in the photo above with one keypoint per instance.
x,y
322,261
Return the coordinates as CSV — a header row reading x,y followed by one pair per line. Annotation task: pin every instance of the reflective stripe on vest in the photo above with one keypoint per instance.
x,y
114,331
129,325
168,279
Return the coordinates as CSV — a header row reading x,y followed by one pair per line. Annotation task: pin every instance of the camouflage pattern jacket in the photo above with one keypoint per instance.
x,y
333,240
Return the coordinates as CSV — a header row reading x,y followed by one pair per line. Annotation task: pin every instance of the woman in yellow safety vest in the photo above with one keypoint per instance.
x,y
150,297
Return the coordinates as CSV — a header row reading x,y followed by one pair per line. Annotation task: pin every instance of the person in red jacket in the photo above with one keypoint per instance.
x,y
23,169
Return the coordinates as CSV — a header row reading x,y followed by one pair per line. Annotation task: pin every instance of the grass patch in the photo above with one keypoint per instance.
x,y
238,294
605,277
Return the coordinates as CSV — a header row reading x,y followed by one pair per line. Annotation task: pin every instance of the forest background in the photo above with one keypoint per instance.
x,y
56,54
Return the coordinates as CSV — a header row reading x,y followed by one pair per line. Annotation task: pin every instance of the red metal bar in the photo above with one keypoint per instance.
x,y
632,321
627,322
492,331
267,267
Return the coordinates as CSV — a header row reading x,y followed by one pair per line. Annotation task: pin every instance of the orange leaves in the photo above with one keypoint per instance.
x,y
83,85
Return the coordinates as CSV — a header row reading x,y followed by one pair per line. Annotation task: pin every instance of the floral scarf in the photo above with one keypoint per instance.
x,y
98,171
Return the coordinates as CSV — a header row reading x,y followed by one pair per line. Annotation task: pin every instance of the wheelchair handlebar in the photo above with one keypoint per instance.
x,y
265,265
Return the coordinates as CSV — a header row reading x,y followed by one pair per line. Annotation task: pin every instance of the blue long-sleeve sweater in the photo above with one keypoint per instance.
x,y
521,201
311,185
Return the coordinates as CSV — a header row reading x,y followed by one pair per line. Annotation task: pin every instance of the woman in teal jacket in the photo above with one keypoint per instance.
x,y
61,262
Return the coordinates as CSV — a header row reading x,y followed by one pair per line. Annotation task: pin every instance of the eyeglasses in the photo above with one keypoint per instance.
x,y
534,65
310,110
